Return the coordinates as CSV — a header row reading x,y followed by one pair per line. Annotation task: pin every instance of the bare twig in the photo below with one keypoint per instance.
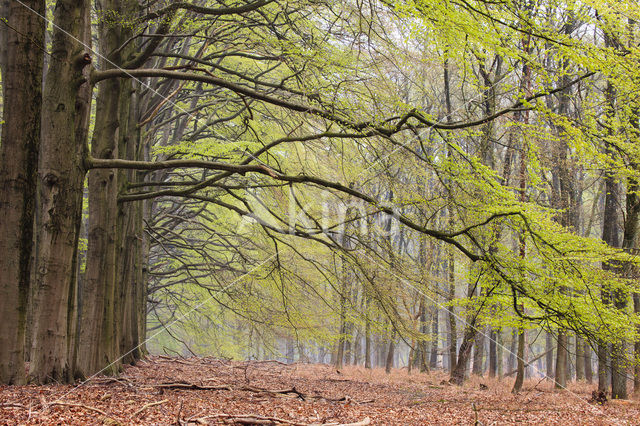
x,y
86,407
149,405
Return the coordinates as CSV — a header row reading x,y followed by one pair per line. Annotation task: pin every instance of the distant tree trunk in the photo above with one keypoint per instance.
x,y
423,363
357,347
580,365
451,276
493,353
588,371
289,350
513,348
609,236
517,386
339,359
561,360
390,353
433,356
549,357
21,59
478,355
500,353
636,349
367,337
61,174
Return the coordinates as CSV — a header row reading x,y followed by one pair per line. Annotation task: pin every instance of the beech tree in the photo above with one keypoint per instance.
x,y
302,152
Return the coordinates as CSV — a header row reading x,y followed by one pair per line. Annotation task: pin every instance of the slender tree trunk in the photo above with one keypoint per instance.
x,y
610,236
580,365
636,349
61,175
21,59
390,353
433,356
493,353
451,275
517,386
367,336
549,343
561,360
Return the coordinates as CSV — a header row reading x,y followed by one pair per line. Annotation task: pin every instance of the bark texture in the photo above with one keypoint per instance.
x,y
21,61
61,176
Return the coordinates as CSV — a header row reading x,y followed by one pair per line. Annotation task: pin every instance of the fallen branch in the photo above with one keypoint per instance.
x,y
278,391
149,405
181,385
364,422
86,407
254,419
13,405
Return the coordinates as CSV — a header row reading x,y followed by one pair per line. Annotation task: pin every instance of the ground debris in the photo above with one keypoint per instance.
x,y
190,391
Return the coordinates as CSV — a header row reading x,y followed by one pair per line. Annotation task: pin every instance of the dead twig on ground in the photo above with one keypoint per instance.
x,y
149,405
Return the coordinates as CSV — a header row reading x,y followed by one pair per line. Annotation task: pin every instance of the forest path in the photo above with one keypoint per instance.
x,y
164,391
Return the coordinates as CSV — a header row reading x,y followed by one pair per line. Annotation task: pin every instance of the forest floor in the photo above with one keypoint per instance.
x,y
164,391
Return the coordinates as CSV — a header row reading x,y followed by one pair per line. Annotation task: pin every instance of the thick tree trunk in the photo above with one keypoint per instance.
x,y
458,374
21,59
101,253
61,176
129,244
96,329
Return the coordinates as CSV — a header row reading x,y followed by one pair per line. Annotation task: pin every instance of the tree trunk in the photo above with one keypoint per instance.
x,y
433,356
580,366
367,337
21,59
561,360
517,386
588,371
459,373
493,353
61,176
478,355
549,357
390,353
